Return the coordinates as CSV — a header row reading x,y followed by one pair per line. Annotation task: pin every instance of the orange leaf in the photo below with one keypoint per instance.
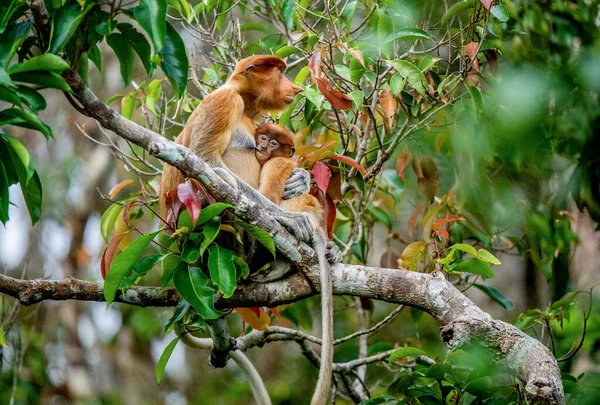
x,y
402,163
438,223
313,65
351,162
254,317
413,219
471,50
109,254
115,190
427,176
334,189
442,233
322,174
388,106
337,99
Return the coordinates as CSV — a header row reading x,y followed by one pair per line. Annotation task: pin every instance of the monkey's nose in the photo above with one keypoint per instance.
x,y
297,89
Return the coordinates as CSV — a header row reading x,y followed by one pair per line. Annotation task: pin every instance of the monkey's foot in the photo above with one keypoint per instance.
x,y
297,184
333,253
298,224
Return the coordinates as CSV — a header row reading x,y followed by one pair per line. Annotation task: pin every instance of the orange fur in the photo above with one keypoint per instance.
x,y
256,86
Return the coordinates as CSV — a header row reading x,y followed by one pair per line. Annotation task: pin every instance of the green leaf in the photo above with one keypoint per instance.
x,y
175,61
139,270
210,231
253,26
180,310
11,39
152,16
25,119
122,264
32,98
397,83
164,358
287,10
5,79
463,247
153,92
95,56
474,266
10,95
32,192
107,222
4,199
406,352
408,34
457,8
139,44
43,78
496,296
477,99
411,73
211,211
15,8
242,266
125,53
381,216
500,12
128,105
488,257
222,270
358,97
65,23
48,62
357,70
169,266
287,50
189,252
197,289
261,235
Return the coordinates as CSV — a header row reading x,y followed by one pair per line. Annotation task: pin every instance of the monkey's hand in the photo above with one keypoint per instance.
x,y
333,253
297,184
297,223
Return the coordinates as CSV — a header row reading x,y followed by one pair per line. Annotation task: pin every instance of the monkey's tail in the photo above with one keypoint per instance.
x,y
324,383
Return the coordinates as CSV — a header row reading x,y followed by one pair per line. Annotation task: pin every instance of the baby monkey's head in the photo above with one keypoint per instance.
x,y
273,141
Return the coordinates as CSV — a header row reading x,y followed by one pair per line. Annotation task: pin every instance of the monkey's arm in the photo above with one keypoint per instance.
x,y
273,178
297,184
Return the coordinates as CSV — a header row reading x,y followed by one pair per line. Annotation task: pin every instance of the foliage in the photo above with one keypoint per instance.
x,y
477,118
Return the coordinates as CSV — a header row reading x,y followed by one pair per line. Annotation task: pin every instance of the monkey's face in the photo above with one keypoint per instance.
x,y
276,90
268,147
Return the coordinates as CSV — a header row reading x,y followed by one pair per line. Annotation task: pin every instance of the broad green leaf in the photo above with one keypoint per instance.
x,y
153,92
10,95
122,264
4,200
47,61
496,296
143,266
357,70
406,352
128,105
152,16
457,8
189,252
412,253
253,26
397,83
411,73
32,192
95,56
139,44
174,60
477,99
465,248
197,289
7,11
211,211
25,119
287,10
222,270
164,358
32,98
210,232
408,34
107,222
5,79
287,50
169,266
65,23
358,98
261,235
488,257
380,400
381,216
474,266
43,78
125,53
106,28
500,12
11,39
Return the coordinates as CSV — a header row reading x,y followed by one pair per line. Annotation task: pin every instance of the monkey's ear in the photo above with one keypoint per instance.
x,y
249,67
292,152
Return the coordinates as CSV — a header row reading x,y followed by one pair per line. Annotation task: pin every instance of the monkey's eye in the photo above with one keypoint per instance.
x,y
274,143
262,137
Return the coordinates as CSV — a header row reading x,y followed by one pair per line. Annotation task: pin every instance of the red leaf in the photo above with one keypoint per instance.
x,y
174,207
356,129
109,254
337,99
438,223
471,50
321,173
126,210
209,198
115,190
442,233
313,65
253,317
351,162
275,312
188,196
329,209
487,4
334,189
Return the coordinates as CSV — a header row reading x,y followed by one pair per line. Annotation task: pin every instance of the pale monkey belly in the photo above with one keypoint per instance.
x,y
240,157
